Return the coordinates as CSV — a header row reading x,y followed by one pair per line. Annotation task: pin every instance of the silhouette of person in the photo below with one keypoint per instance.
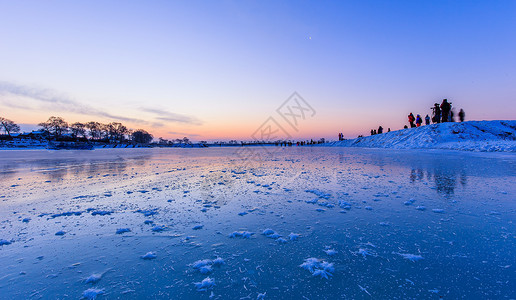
x,y
380,130
462,115
389,129
372,132
436,113
411,120
427,120
445,110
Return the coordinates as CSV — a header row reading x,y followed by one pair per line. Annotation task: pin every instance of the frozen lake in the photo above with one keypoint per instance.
x,y
304,223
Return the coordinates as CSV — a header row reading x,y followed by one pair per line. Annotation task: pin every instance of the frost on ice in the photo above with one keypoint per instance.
x,y
318,267
205,266
411,257
205,284
91,294
149,255
241,234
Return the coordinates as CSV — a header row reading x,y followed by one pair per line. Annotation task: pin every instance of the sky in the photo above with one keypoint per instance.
x,y
221,70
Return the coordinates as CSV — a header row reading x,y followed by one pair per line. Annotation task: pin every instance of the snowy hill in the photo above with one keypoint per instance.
x,y
485,136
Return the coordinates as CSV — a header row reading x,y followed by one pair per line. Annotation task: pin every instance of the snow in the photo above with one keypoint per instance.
x,y
122,230
242,234
411,257
94,278
318,267
205,284
483,136
149,256
92,294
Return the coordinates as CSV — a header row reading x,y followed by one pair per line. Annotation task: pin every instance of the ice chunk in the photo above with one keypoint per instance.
x,y
322,273
122,230
409,202
101,212
411,257
268,231
218,261
330,252
318,267
91,294
421,208
158,228
242,234
205,284
94,278
60,232
281,240
260,296
438,210
149,255
4,242
197,227
294,236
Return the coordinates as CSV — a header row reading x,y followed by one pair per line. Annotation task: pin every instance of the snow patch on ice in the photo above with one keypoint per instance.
x,y
318,267
149,255
205,284
91,294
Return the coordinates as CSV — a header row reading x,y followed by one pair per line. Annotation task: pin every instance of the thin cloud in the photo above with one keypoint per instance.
x,y
183,133
62,102
171,117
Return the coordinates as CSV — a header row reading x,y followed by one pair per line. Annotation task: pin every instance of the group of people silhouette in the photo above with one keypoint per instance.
x,y
440,114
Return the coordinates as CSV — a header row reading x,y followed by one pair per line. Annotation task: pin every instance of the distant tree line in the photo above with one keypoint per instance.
x,y
56,128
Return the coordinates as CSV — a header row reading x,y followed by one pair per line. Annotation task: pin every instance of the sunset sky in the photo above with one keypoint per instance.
x,y
214,70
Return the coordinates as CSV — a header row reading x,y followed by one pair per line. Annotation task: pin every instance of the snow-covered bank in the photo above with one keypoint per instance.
x,y
484,136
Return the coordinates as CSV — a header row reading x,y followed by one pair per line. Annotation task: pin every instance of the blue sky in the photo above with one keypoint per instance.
x,y
219,69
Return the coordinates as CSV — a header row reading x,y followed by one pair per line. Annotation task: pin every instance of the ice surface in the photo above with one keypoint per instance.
x,y
370,239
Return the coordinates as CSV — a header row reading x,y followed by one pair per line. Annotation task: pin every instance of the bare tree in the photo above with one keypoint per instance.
x,y
141,136
9,126
117,131
55,125
78,129
94,128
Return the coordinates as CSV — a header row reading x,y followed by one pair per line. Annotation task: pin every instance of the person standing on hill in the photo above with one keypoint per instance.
x,y
427,120
445,109
437,113
411,120
419,121
462,115
380,130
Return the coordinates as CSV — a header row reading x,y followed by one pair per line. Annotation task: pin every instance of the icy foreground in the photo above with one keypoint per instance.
x,y
483,136
304,223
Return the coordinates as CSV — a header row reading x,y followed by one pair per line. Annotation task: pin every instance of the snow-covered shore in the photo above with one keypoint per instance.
x,y
483,136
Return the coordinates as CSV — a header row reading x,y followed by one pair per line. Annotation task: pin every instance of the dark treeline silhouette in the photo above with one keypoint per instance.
x,y
57,129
